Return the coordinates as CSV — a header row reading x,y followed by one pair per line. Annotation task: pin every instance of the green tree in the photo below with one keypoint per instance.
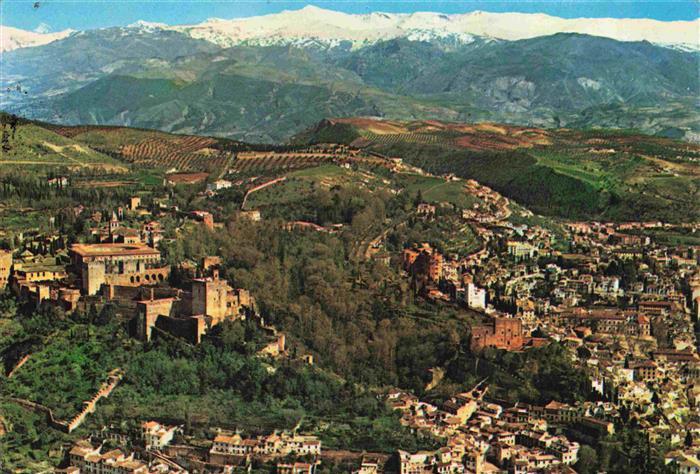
x,y
587,460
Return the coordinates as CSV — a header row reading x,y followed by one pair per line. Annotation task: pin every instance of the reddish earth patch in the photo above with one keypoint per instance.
x,y
475,136
372,125
71,132
104,184
186,178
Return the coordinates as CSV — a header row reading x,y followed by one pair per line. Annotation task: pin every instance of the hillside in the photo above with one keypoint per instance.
x,y
549,81
618,175
30,146
62,66
14,38
154,149
42,148
154,77
595,174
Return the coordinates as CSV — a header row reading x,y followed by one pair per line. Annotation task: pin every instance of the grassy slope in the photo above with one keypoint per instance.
x,y
22,447
236,106
38,148
302,183
436,190
66,372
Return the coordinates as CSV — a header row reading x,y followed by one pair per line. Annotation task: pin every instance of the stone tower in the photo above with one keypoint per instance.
x,y
93,277
5,266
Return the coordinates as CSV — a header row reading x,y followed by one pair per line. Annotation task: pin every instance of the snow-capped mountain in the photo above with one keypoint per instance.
x,y
323,27
320,27
147,26
14,38
421,65
330,26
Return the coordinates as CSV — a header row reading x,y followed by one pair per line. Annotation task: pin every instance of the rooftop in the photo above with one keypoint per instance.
x,y
105,250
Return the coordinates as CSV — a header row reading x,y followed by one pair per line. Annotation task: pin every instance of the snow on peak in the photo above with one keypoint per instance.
x,y
312,25
14,38
148,25
360,29
312,9
322,26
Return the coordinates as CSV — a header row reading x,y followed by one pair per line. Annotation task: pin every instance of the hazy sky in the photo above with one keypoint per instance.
x,y
55,15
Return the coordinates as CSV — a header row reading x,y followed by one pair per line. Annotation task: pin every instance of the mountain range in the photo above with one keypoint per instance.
x,y
332,27
266,78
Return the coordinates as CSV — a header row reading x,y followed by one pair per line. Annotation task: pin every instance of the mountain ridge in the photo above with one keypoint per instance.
x,y
332,28
269,93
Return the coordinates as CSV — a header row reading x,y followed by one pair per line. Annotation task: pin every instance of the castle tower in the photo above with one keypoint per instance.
x,y
113,223
93,277
210,298
5,267
148,311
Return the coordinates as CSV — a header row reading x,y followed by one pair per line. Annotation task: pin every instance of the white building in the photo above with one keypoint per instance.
x,y
155,435
218,185
475,297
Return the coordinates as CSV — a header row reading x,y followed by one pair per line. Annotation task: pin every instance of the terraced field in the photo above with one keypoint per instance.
x,y
153,149
267,161
479,136
246,162
187,154
390,138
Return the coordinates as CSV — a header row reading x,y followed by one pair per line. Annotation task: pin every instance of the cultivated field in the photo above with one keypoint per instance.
x,y
478,136
266,161
436,190
255,161
154,149
186,154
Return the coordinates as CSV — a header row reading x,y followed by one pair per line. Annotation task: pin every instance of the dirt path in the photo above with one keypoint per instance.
x,y
259,187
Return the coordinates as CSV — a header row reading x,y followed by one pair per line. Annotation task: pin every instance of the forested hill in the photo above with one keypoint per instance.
x,y
602,174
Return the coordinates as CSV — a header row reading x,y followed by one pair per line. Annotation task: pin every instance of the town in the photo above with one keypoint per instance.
x,y
358,237
620,306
